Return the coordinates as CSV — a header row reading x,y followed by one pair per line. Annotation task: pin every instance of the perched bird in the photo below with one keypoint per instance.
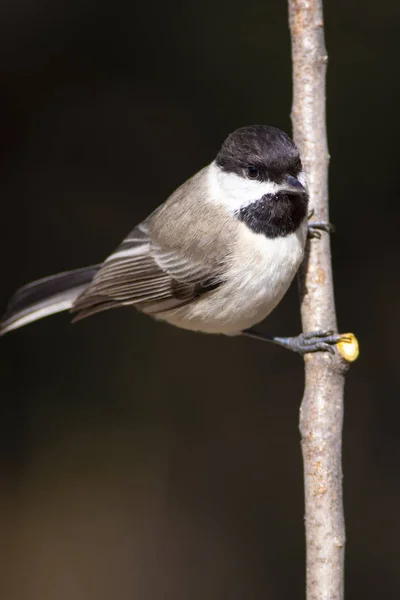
x,y
216,257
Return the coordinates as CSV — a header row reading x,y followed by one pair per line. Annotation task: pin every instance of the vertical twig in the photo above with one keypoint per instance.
x,y
321,413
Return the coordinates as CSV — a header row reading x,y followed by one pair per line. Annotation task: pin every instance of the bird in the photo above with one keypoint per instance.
x,y
216,257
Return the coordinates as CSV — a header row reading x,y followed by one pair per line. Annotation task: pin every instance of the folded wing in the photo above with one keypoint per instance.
x,y
142,274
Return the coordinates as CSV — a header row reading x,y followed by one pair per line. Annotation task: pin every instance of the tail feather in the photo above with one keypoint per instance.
x,y
45,297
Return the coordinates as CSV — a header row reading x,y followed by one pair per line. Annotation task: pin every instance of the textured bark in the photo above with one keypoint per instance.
x,y
321,413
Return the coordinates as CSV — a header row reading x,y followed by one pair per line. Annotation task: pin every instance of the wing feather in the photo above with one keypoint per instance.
x,y
141,273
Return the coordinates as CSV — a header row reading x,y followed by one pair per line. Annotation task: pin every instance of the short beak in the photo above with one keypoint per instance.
x,y
293,185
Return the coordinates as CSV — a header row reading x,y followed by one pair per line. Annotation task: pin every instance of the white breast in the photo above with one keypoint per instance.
x,y
258,275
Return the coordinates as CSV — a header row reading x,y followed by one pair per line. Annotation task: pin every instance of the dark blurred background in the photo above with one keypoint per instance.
x,y
137,460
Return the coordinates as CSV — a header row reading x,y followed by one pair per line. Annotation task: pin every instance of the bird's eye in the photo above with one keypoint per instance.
x,y
252,172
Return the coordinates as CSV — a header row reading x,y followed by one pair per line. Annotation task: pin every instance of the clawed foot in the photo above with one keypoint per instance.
x,y
316,227
313,341
305,343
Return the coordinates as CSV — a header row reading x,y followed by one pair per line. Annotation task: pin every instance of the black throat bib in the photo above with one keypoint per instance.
x,y
275,215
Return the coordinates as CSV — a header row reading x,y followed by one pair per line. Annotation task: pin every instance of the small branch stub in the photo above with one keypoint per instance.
x,y
348,347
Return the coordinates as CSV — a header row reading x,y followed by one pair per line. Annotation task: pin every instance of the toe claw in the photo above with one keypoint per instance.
x,y
326,333
329,349
313,234
318,333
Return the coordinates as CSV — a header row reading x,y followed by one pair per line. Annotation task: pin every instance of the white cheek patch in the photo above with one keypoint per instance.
x,y
234,191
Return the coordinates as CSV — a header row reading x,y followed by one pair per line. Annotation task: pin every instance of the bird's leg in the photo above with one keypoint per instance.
x,y
312,341
315,228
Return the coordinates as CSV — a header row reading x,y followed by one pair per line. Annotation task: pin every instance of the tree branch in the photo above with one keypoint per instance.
x,y
321,413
